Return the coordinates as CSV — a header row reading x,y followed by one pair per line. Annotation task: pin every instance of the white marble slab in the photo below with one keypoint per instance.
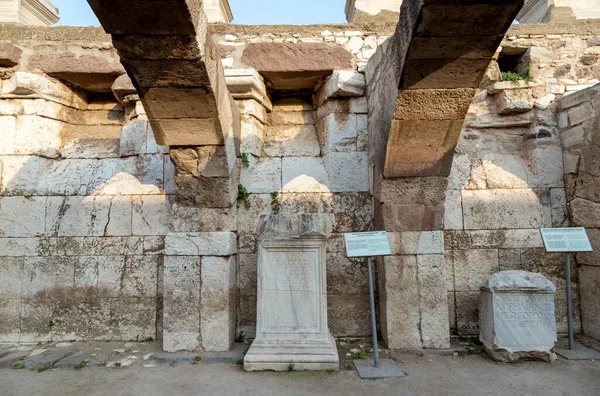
x,y
517,317
292,308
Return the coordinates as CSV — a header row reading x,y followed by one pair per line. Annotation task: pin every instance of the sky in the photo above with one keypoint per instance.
x,y
248,12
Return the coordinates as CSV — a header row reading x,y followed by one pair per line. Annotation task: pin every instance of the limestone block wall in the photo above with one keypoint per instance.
x,y
579,122
506,179
84,207
362,44
306,158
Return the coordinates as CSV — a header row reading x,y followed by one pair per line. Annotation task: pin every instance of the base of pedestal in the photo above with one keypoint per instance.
x,y
510,355
292,356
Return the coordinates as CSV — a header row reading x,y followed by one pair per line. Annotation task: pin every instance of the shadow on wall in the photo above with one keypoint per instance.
x,y
84,208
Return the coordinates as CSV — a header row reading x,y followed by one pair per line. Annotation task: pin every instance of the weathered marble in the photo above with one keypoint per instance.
x,y
517,317
292,299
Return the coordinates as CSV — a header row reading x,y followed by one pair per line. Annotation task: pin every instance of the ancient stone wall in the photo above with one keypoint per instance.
x,y
579,123
506,179
100,242
84,207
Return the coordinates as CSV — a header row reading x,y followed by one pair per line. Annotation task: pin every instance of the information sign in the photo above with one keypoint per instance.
x,y
566,239
367,244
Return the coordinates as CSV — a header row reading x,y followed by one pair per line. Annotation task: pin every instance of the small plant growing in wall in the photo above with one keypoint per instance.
x,y
245,160
240,336
512,76
275,204
290,367
244,196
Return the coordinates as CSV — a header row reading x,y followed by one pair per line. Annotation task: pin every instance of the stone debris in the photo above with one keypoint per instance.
x,y
186,357
37,352
49,358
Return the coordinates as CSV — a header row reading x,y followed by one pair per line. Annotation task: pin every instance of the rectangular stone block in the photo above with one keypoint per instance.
x,y
433,299
194,219
217,296
188,131
102,273
416,242
347,171
167,102
43,277
150,215
8,126
253,108
252,136
39,136
181,304
345,106
472,268
453,215
589,276
262,175
495,209
10,320
11,277
399,302
92,246
433,104
291,118
92,141
349,315
338,132
304,174
416,190
201,244
411,217
134,137
467,312
581,113
291,141
22,217
517,317
442,74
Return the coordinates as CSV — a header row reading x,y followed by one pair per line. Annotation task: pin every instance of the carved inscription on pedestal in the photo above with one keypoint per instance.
x,y
523,320
522,311
291,290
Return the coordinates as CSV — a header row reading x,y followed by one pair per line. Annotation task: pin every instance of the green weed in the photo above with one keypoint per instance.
x,y
245,160
244,196
275,204
511,76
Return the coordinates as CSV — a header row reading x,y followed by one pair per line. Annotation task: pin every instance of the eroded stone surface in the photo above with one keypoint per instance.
x,y
517,317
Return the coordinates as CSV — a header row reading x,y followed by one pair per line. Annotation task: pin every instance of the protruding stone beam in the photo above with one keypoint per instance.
x,y
175,67
442,49
420,84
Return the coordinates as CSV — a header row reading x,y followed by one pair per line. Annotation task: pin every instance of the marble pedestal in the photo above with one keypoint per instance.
x,y
292,327
517,317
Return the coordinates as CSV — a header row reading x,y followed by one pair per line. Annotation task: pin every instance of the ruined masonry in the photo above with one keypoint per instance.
x,y
137,159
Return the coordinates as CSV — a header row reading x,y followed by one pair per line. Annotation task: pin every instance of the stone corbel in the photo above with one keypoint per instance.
x,y
247,84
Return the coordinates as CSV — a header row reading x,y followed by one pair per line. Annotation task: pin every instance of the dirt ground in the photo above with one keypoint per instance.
x,y
427,375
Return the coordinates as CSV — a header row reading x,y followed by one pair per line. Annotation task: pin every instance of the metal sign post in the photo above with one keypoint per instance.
x,y
370,244
373,317
567,240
